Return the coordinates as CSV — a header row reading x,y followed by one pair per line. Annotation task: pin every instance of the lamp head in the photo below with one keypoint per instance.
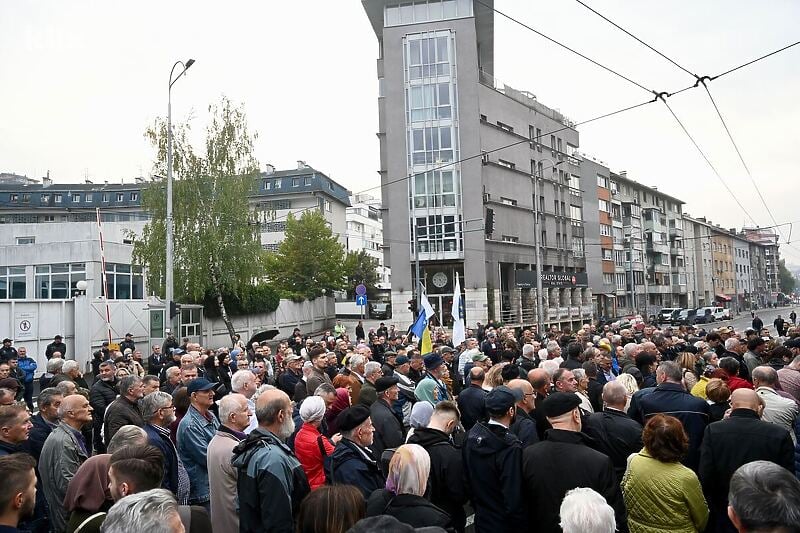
x,y
189,64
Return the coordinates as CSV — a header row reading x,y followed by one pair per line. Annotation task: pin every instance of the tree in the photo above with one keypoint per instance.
x,y
310,260
360,267
217,246
787,280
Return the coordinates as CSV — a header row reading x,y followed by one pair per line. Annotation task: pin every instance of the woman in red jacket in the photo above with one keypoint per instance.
x,y
310,446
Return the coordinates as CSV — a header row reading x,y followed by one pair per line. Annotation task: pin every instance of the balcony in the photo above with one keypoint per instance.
x,y
675,232
658,247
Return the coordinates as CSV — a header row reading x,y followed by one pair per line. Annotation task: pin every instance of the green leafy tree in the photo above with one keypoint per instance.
x,y
310,260
787,280
360,267
217,247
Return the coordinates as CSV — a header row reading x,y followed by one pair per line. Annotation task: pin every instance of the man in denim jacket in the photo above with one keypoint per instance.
x,y
195,432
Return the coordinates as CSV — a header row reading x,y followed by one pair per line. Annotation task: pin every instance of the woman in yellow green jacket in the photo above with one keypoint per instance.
x,y
660,493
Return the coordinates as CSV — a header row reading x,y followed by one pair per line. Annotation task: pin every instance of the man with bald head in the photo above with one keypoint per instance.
x,y
471,399
524,426
270,481
615,433
540,381
735,441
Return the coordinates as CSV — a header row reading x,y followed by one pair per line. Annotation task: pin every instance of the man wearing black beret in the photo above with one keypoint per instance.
x,y
563,462
388,424
352,462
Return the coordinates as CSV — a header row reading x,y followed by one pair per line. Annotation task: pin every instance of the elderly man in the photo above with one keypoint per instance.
x,y
352,462
270,480
353,377
15,426
789,376
125,409
777,409
235,415
244,382
195,431
471,400
432,388
733,442
63,452
293,374
754,502
158,410
372,371
387,423
172,379
44,421
524,426
566,462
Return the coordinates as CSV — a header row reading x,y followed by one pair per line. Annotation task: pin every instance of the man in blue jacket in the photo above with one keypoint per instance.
x,y
195,431
493,466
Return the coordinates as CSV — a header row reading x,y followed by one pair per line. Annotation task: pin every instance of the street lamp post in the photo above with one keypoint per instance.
x,y
169,222
536,243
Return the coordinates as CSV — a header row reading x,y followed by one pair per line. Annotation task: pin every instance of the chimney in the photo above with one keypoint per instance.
x,y
301,165
623,173
46,181
269,169
139,179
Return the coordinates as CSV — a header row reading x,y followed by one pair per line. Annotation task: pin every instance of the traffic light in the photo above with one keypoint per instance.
x,y
489,221
412,305
174,309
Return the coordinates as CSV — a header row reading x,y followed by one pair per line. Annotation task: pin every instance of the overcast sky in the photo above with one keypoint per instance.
x,y
80,81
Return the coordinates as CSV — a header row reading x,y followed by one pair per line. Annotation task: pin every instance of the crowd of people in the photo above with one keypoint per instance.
x,y
641,429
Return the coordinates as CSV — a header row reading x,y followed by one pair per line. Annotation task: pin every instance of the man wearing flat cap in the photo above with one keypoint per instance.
x,y
432,388
352,462
563,462
493,466
387,423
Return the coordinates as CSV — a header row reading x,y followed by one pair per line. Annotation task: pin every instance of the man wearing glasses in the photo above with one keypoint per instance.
x,y
159,412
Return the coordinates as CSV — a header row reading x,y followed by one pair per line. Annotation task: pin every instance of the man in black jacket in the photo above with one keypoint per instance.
x,y
447,481
524,426
471,399
615,434
733,442
352,462
388,425
44,421
563,462
493,465
102,393
56,346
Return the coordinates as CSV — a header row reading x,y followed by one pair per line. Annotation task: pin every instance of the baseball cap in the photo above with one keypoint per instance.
x,y
199,384
502,398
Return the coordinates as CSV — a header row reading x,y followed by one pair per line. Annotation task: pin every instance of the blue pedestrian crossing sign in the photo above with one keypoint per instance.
x,y
361,300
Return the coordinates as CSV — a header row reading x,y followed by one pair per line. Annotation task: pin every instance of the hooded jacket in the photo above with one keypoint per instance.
x,y
493,467
270,483
447,482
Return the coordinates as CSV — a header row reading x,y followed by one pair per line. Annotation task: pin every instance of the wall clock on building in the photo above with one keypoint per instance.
x,y
439,279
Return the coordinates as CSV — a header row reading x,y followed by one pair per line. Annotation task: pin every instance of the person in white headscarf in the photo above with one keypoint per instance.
x,y
310,446
403,497
420,416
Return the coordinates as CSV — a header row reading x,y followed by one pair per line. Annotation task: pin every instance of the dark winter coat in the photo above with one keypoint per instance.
x,y
162,442
561,463
595,393
471,403
524,427
410,509
672,399
388,428
121,412
350,464
54,347
616,435
39,432
447,481
493,466
731,443
270,484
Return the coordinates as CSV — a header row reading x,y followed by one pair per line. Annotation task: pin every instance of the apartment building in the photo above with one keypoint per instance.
x,y
365,232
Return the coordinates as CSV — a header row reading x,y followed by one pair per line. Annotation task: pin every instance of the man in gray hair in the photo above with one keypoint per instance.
x,y
158,410
244,382
764,497
52,370
125,409
154,511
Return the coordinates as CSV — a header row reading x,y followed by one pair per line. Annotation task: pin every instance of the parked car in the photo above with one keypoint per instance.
x,y
686,317
704,316
666,315
381,310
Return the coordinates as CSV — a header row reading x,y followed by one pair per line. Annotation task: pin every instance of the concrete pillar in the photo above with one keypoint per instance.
x,y
82,351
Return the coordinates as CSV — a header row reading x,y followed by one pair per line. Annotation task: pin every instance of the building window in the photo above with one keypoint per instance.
x,y
124,281
431,145
605,230
607,255
425,11
510,238
57,198
295,182
276,205
507,201
505,127
120,197
431,101
619,257
26,240
574,181
105,197
267,185
436,188
507,164
45,199
56,282
76,198
328,206
190,322
604,206
12,283
13,197
273,226
307,181
608,279
276,184
428,57
271,247
134,196
437,233
602,181
576,213
578,247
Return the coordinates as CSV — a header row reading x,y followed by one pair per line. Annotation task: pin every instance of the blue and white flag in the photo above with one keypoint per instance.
x,y
459,327
421,324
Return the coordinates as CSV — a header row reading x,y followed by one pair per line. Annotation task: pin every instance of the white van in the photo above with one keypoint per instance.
x,y
717,313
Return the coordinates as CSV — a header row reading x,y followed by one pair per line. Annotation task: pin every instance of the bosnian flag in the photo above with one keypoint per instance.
x,y
421,324
459,328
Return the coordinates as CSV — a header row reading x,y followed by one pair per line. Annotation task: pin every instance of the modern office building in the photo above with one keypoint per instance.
x,y
365,232
459,152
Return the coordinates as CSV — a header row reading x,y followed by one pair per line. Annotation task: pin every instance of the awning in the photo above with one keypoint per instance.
x,y
610,295
723,298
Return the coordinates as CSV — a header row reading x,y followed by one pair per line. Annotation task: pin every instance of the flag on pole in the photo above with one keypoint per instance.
x,y
421,324
426,346
459,328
